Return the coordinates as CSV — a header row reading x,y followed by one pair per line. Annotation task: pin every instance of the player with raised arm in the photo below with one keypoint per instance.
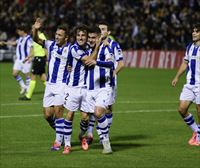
x,y
191,90
58,54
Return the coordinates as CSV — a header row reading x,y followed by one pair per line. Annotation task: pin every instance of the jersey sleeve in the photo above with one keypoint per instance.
x,y
186,57
47,44
118,52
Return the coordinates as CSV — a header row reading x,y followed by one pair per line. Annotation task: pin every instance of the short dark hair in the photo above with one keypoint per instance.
x,y
81,27
64,27
94,29
196,25
104,23
22,27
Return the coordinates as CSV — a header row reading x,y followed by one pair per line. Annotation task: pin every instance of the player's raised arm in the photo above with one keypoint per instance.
x,y
94,40
96,49
99,40
36,26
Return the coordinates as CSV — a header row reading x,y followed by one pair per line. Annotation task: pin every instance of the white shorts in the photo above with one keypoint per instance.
x,y
54,94
113,96
99,97
191,93
75,99
20,66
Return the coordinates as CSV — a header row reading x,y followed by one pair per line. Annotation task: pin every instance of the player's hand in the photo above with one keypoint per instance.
x,y
27,59
102,38
24,61
98,41
90,62
2,43
105,42
37,23
174,81
104,35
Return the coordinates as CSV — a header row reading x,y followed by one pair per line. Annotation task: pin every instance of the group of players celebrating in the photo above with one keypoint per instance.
x,y
81,76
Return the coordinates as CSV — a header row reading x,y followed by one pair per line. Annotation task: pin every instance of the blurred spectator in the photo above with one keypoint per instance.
x,y
3,37
138,24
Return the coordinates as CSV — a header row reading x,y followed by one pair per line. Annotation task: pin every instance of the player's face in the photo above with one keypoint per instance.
x,y
92,37
60,37
81,37
196,35
19,32
104,29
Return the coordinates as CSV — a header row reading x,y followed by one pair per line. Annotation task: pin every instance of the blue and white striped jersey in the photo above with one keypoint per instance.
x,y
192,55
78,74
24,45
57,62
117,54
116,50
101,77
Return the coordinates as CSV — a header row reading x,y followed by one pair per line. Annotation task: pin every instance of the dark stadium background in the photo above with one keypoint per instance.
x,y
136,24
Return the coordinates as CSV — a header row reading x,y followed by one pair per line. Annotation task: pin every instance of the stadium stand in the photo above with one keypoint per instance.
x,y
138,24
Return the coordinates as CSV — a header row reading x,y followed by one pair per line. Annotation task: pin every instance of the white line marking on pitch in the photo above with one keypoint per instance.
x,y
120,102
146,102
20,104
21,116
117,112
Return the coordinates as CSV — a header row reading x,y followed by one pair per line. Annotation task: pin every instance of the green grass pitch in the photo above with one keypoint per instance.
x,y
147,131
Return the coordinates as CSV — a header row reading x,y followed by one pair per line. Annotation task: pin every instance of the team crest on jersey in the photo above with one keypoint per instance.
x,y
65,51
55,54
